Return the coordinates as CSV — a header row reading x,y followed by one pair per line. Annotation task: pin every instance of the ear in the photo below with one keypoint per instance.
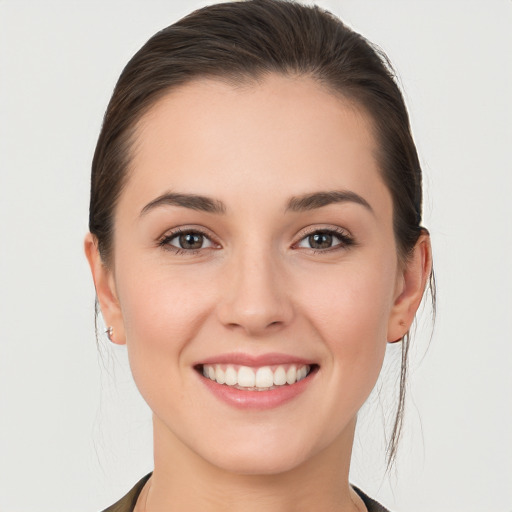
x,y
411,283
105,290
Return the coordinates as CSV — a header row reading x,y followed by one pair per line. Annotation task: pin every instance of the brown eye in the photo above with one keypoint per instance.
x,y
190,240
187,241
323,240
320,240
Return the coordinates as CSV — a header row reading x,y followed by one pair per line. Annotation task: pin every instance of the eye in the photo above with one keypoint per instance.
x,y
186,241
325,239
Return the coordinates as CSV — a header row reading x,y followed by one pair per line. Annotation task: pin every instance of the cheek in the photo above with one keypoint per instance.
x,y
162,309
162,312
352,313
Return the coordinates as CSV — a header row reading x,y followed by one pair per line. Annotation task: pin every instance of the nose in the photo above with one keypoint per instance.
x,y
255,297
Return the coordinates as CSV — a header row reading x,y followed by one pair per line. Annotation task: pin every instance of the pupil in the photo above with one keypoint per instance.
x,y
320,241
191,241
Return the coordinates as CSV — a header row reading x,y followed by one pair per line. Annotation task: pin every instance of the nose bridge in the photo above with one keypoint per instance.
x,y
254,294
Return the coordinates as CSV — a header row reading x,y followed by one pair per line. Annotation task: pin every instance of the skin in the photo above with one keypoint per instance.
x,y
256,286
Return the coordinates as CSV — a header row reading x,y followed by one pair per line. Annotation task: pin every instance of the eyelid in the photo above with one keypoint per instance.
x,y
170,234
309,230
345,237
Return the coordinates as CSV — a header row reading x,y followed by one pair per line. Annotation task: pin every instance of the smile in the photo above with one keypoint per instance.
x,y
259,382
263,378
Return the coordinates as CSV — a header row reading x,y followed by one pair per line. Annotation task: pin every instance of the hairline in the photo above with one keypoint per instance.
x,y
244,80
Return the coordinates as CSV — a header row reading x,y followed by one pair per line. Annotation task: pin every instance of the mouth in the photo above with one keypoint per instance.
x,y
260,378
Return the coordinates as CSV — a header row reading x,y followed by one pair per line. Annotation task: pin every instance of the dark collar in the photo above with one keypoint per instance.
x,y
128,502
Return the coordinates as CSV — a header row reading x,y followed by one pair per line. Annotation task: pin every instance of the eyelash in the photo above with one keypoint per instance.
x,y
344,238
165,241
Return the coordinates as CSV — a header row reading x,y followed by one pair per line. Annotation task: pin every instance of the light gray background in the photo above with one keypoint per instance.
x,y
74,434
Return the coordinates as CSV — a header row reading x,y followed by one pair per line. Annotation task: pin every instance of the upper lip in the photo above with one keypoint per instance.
x,y
242,359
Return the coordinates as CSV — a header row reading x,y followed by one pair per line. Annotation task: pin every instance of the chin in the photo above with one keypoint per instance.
x,y
260,463
263,454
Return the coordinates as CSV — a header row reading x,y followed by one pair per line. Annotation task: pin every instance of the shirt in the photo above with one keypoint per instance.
x,y
128,502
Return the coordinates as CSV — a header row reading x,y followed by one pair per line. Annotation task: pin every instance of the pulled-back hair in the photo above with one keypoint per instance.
x,y
240,42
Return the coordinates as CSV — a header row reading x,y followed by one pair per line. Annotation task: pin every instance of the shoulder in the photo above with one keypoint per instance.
x,y
371,504
127,502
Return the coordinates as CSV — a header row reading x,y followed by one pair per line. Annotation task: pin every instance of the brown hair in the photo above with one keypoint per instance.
x,y
243,41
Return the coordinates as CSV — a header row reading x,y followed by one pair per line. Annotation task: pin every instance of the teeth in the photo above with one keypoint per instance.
x,y
280,376
246,377
291,375
264,377
301,373
231,376
220,376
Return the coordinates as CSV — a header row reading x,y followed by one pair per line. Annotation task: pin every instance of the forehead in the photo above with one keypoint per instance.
x,y
282,134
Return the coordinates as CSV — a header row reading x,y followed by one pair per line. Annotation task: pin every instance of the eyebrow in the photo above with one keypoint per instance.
x,y
319,199
192,201
301,203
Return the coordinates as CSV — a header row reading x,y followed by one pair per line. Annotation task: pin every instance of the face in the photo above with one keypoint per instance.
x,y
255,276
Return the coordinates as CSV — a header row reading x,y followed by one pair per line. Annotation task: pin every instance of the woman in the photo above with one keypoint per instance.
x,y
255,240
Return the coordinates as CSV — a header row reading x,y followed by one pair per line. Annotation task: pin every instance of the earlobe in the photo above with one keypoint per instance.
x,y
410,289
105,290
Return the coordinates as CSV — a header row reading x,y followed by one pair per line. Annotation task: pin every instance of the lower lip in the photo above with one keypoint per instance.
x,y
258,399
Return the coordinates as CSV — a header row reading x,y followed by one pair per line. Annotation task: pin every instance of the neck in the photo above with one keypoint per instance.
x,y
182,480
